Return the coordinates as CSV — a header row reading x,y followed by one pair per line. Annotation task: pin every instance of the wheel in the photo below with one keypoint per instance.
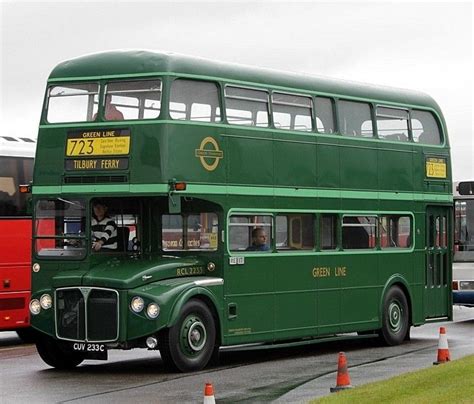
x,y
27,335
56,354
395,317
190,343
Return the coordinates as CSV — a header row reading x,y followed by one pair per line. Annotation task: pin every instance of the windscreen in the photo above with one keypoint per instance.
x,y
60,228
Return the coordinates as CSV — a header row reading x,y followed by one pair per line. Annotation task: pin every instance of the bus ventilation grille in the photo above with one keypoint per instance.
x,y
96,179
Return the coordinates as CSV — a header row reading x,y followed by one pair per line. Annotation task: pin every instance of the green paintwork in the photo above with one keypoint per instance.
x,y
126,273
275,297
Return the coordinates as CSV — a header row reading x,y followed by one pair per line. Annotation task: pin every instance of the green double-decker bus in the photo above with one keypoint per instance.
x,y
237,206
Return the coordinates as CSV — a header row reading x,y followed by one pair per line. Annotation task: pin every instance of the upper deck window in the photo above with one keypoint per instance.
x,y
293,112
140,99
424,127
355,119
246,106
194,100
72,102
324,115
392,124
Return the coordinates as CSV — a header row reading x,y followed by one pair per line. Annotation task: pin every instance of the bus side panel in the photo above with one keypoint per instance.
x,y
302,171
15,279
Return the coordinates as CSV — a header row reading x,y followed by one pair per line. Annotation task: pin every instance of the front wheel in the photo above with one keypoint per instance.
x,y
56,354
395,317
190,343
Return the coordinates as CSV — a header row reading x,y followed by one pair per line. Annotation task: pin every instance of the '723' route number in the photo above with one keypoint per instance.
x,y
81,147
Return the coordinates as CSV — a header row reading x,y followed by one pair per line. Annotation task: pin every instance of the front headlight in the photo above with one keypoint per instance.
x,y
46,301
35,307
137,304
153,310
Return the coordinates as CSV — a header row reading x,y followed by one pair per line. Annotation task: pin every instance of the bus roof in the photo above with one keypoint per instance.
x,y
11,146
124,63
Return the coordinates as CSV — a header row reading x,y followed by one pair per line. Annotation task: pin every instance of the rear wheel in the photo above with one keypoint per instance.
x,y
56,353
190,343
395,317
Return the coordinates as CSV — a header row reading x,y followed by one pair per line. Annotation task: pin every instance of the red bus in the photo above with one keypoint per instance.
x,y
16,168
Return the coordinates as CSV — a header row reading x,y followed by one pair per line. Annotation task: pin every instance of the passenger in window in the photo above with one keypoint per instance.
x,y
259,240
104,229
111,111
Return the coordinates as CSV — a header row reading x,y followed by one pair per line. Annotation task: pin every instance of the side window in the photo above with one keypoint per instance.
x,y
328,231
246,106
292,112
72,102
294,232
425,128
194,100
324,115
250,233
392,124
359,232
395,231
14,171
355,119
195,231
139,99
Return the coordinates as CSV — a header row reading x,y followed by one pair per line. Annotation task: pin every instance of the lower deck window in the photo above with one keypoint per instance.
x,y
294,232
250,233
359,232
194,231
395,231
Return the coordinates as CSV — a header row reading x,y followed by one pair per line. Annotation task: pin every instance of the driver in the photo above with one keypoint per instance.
x,y
104,229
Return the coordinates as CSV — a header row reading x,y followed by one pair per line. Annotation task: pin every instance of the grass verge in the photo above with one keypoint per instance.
x,y
452,382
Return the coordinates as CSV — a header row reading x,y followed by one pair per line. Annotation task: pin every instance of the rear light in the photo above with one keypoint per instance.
x,y
455,285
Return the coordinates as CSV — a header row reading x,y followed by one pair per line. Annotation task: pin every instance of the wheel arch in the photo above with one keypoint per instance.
x,y
205,296
401,282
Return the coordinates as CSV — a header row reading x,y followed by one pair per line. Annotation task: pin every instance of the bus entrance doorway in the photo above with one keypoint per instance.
x,y
437,262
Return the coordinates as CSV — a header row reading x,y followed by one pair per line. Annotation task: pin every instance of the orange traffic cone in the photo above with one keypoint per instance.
x,y
443,350
343,380
209,394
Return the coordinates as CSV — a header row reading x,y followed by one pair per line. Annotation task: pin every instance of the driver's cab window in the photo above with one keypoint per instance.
x,y
115,225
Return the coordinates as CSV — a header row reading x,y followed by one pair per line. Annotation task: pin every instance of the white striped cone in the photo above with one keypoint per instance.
x,y
209,394
443,349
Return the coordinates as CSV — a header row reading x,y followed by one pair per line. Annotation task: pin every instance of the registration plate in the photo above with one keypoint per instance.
x,y
91,350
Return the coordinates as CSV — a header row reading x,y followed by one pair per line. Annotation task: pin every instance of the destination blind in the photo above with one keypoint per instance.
x,y
97,149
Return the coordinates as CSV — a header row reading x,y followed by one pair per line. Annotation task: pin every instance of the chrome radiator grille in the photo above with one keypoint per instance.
x,y
87,314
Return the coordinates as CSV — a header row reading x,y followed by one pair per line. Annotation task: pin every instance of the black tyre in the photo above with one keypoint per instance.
x,y
56,354
190,343
395,317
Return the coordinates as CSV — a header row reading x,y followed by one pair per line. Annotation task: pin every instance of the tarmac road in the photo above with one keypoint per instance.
x,y
282,375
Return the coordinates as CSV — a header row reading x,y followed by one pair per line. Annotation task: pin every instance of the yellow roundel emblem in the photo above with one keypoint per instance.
x,y
212,153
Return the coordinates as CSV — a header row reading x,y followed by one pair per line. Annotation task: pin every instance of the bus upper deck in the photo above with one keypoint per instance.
x,y
380,139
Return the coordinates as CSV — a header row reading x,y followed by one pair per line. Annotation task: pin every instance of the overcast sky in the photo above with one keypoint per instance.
x,y
424,46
